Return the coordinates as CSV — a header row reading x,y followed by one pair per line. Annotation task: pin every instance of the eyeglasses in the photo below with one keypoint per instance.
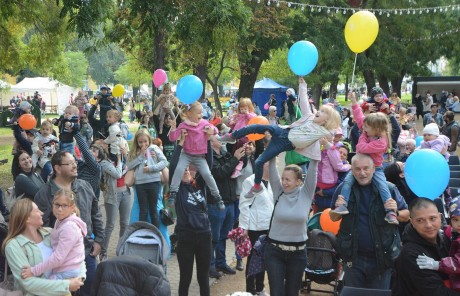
x,y
58,206
74,163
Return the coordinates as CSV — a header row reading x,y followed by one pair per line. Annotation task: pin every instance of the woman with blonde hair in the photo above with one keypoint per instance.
x,y
28,244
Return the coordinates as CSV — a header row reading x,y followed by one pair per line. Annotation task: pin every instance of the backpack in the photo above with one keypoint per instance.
x,y
124,129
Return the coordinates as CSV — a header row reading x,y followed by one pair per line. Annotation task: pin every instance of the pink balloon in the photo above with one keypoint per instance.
x,y
159,77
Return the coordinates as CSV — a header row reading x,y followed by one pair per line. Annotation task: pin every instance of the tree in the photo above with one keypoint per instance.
x,y
266,32
104,63
77,65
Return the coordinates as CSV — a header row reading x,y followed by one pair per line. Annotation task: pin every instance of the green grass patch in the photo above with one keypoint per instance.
x,y
6,179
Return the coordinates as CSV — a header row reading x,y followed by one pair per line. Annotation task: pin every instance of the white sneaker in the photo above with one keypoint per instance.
x,y
262,293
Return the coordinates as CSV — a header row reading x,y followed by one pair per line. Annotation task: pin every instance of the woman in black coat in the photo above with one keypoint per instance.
x,y
418,101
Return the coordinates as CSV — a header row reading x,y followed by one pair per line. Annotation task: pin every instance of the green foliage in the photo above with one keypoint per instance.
x,y
77,65
131,72
104,63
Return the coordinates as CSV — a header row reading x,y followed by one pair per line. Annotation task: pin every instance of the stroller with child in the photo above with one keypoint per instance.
x,y
324,266
140,265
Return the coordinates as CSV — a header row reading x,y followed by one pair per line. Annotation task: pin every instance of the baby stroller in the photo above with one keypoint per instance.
x,y
144,240
323,263
140,265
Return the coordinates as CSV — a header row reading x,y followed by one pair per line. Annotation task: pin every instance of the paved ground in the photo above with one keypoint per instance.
x,y
173,267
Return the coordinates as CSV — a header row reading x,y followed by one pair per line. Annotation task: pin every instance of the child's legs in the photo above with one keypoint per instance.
x,y
184,161
68,147
162,118
346,188
254,129
202,167
380,182
274,148
46,171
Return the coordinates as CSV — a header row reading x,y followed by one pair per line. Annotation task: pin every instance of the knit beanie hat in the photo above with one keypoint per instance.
x,y
454,207
24,105
431,129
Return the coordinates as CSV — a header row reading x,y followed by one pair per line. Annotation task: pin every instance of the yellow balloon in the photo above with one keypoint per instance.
x,y
118,90
361,31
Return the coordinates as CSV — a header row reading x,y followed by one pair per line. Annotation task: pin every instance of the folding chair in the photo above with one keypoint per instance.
x,y
454,183
454,160
455,174
454,168
351,291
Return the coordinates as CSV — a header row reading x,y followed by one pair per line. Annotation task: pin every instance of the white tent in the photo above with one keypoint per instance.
x,y
55,93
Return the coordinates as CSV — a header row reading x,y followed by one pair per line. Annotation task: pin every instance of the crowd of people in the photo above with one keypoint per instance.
x,y
213,177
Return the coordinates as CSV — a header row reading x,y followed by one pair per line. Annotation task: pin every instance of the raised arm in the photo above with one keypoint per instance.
x,y
88,157
304,104
274,178
311,178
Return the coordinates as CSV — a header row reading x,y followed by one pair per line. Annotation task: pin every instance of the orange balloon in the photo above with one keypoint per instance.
x,y
27,121
257,120
327,224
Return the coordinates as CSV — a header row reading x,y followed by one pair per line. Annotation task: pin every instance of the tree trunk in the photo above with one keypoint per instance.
x,y
248,75
397,82
316,92
159,56
369,79
383,82
333,88
200,71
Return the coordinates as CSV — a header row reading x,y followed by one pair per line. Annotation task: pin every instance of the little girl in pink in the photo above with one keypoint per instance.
x,y
240,120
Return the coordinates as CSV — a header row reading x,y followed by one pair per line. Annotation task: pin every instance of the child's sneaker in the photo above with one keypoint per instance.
x,y
390,217
237,171
338,212
253,192
227,138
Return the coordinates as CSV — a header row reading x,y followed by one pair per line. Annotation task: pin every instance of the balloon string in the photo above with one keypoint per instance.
x,y
353,76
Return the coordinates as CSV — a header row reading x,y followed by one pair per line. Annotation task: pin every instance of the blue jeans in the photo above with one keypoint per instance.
x,y
221,224
147,196
236,204
363,274
285,270
46,171
279,143
91,266
68,147
378,180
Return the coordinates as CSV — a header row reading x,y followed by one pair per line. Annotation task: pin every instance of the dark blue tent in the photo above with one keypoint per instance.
x,y
262,91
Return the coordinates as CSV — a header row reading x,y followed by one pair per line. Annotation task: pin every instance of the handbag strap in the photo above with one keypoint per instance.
x,y
5,275
273,213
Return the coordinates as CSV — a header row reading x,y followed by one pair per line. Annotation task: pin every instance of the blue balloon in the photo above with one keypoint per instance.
x,y
302,57
189,89
418,141
129,137
427,173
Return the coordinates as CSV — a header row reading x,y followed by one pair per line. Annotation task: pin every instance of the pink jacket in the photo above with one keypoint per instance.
x,y
241,120
68,248
195,142
375,148
329,165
